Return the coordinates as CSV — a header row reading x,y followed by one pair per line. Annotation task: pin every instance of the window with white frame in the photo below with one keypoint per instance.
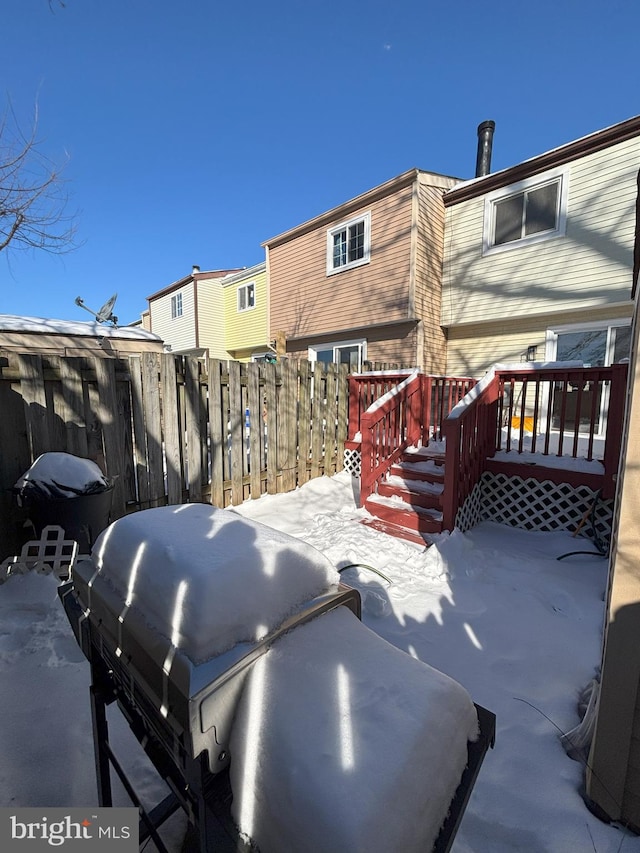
x,y
594,345
352,353
527,212
349,244
246,296
176,306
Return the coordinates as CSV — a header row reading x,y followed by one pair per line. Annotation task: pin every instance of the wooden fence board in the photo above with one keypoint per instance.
x,y
194,439
235,430
255,429
317,411
35,401
290,426
171,421
216,432
127,472
304,422
112,422
330,432
73,413
139,430
153,424
272,428
55,405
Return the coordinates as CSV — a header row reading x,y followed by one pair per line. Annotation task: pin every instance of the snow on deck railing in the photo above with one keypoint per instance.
x,y
389,425
411,411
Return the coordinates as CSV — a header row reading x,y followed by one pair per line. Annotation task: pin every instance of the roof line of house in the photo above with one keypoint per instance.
x,y
232,278
340,333
198,276
556,157
342,210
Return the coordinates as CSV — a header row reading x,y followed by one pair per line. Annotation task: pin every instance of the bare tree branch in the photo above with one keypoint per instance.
x,y
33,197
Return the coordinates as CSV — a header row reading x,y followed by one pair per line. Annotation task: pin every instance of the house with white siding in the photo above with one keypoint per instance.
x,y
189,314
538,257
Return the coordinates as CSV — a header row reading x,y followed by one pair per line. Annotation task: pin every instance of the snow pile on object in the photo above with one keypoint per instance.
x,y
344,742
208,579
60,475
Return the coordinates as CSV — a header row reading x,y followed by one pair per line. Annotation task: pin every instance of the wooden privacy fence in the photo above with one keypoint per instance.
x,y
171,429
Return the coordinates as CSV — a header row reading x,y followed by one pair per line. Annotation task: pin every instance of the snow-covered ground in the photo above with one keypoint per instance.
x,y
493,608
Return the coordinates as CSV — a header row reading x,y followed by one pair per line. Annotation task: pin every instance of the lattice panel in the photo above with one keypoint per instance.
x,y
353,461
51,553
535,505
471,512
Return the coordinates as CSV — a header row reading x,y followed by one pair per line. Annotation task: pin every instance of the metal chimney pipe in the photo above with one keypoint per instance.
x,y
485,145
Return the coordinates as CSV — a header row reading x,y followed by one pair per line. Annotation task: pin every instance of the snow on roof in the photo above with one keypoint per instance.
x,y
41,325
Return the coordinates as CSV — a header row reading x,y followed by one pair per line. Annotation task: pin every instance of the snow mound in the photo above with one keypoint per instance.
x,y
208,579
344,742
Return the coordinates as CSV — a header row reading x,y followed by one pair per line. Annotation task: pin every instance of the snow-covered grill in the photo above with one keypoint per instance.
x,y
175,608
172,609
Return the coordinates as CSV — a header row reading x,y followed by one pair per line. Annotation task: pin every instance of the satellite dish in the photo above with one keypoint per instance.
x,y
105,314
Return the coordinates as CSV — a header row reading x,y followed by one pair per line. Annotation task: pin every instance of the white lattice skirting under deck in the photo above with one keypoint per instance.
x,y
533,505
353,461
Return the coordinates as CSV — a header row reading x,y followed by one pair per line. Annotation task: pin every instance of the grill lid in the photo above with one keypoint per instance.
x,y
208,579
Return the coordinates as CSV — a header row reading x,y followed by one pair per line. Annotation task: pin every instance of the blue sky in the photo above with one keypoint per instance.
x,y
194,130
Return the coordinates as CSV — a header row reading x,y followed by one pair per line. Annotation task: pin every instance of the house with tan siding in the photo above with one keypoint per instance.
x,y
538,257
189,314
362,281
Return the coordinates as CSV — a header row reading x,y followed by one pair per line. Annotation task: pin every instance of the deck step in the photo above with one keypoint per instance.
x,y
430,453
396,530
430,472
397,511
408,501
413,492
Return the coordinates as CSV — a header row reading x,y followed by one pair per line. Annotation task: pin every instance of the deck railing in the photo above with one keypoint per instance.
x,y
515,413
564,412
390,411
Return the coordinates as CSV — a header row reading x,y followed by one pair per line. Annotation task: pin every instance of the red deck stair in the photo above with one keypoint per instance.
x,y
407,503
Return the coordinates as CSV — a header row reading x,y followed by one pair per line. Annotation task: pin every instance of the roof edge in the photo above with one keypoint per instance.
x,y
362,200
590,144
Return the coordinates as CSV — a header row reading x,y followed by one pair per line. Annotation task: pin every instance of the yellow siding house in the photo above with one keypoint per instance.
x,y
245,298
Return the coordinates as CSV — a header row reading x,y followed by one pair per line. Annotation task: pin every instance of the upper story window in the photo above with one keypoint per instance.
x,y
349,244
246,296
176,306
527,212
